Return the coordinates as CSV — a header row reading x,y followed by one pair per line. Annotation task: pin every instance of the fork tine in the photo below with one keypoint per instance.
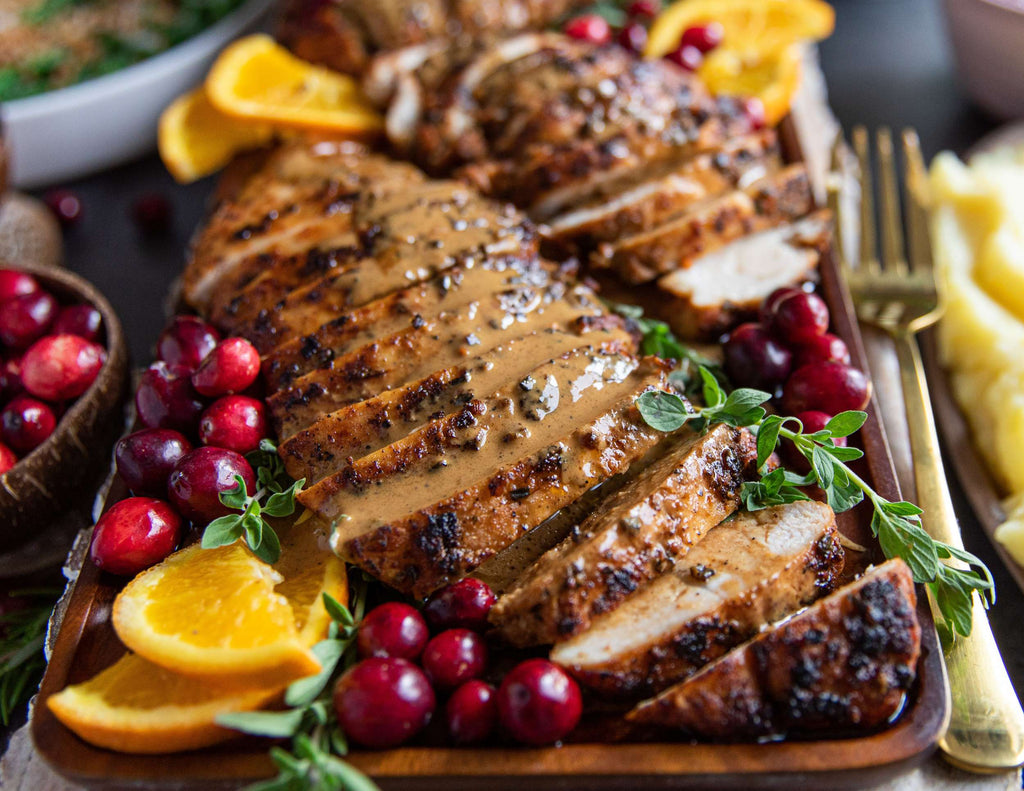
x,y
868,258
889,205
835,184
919,251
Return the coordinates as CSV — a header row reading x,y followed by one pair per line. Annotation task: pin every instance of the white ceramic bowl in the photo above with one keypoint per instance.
x,y
75,131
988,39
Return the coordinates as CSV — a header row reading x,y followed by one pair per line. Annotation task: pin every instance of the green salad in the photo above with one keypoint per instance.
x,y
49,44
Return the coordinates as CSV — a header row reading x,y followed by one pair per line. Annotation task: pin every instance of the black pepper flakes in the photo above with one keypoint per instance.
x,y
701,573
519,494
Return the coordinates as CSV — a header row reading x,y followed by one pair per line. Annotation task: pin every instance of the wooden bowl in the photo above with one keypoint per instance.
x,y
54,477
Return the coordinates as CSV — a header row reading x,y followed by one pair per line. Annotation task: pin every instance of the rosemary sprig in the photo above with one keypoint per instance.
x,y
22,634
275,496
897,525
317,741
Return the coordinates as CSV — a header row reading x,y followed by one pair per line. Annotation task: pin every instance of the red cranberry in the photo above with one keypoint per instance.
x,y
821,349
10,379
383,701
800,316
826,387
81,320
26,422
234,422
646,9
454,657
65,205
472,712
464,604
771,303
633,37
538,703
704,37
166,399
393,629
753,110
26,318
589,27
754,359
201,475
14,283
230,368
135,534
59,367
152,214
146,459
7,459
186,342
686,57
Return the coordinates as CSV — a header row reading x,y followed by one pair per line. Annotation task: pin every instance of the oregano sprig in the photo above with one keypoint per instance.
x,y
274,497
896,524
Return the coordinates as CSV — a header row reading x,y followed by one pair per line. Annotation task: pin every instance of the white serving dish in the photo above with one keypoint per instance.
x,y
988,40
81,129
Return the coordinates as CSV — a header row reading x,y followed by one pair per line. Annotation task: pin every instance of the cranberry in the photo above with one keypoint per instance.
x,y
771,303
382,701
754,359
10,379
81,320
26,422
234,422
59,367
821,349
7,459
703,37
201,475
589,27
392,629
152,214
472,712
633,37
186,342
538,703
753,110
800,316
146,459
231,367
686,57
166,399
26,318
134,534
464,604
65,205
644,9
14,283
454,656
826,387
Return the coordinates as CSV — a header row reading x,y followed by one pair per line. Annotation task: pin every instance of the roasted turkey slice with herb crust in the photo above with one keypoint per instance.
x,y
845,662
630,538
745,573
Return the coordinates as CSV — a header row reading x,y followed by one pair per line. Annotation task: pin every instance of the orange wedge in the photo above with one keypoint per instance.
x,y
259,80
771,77
196,139
213,612
750,25
136,706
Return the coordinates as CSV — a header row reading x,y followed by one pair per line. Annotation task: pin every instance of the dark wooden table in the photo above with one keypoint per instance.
x,y
888,63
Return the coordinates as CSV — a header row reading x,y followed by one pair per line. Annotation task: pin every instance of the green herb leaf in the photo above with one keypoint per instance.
x,y
283,503
846,423
269,548
338,611
273,724
767,438
664,411
237,497
305,690
222,531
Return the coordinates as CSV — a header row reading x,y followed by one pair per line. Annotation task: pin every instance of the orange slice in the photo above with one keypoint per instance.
x,y
196,139
774,77
257,79
213,612
750,25
136,706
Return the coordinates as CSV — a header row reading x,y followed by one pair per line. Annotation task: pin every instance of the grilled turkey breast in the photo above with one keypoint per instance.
x,y
746,572
632,537
844,662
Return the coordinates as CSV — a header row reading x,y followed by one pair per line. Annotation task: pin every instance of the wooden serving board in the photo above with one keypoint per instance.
x,y
86,644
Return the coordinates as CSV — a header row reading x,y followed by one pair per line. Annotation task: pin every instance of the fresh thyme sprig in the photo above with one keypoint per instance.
x,y
272,483
897,525
22,634
310,721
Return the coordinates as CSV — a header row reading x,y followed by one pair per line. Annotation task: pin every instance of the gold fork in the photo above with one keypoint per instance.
x,y
896,291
